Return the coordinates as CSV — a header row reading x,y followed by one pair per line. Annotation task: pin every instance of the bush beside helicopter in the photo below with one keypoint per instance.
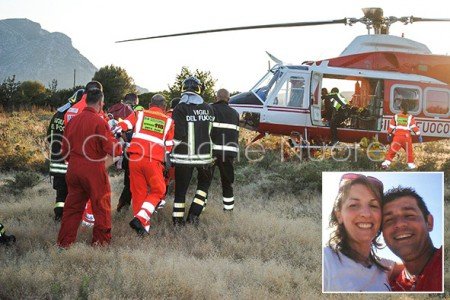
x,y
375,72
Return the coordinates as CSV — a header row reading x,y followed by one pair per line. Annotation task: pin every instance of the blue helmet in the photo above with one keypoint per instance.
x,y
192,84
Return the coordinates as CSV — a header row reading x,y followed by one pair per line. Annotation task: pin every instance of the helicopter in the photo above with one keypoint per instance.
x,y
375,73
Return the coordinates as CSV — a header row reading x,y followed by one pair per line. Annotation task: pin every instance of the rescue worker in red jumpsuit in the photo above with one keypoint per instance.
x,y
401,126
152,137
88,216
87,141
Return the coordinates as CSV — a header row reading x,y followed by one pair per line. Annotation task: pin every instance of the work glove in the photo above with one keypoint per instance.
x,y
389,138
58,213
420,139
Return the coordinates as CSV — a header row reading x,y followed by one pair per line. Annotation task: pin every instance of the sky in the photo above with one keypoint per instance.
x,y
237,59
428,185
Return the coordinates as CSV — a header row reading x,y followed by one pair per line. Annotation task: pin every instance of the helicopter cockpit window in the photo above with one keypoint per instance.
x,y
409,94
296,88
437,102
291,94
265,85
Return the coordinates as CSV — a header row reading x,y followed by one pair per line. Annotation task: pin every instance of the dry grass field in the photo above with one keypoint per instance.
x,y
268,248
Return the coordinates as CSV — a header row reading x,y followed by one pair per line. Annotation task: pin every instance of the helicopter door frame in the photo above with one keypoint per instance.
x,y
316,98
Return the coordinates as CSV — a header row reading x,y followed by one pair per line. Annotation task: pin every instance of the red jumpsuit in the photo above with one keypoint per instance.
x,y
152,137
76,109
87,140
402,125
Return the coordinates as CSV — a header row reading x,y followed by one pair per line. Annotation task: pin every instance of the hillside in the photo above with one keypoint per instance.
x,y
32,53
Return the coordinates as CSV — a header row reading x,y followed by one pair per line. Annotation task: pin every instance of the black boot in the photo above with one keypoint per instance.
x,y
178,221
122,205
137,226
193,219
124,199
7,239
58,213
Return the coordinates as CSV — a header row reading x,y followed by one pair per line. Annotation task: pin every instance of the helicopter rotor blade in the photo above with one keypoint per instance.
x,y
417,19
294,24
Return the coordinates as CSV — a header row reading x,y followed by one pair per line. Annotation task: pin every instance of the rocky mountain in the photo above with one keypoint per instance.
x,y
32,53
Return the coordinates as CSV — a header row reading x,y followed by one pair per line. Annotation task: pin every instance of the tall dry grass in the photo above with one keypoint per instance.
x,y
23,136
267,248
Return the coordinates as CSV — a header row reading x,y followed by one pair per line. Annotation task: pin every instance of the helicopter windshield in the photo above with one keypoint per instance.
x,y
266,84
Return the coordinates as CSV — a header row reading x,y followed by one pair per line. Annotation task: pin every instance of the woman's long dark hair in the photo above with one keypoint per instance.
x,y
338,241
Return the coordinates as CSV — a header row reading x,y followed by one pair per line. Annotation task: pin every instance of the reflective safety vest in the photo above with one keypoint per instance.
x,y
337,100
138,108
152,133
403,124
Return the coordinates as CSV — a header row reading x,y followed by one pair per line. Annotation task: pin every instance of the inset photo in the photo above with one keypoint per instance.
x,y
382,232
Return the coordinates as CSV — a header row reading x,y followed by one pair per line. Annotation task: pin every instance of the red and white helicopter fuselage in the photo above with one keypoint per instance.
x,y
375,73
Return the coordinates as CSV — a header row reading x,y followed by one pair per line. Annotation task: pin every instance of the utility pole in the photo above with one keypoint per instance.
x,y
74,77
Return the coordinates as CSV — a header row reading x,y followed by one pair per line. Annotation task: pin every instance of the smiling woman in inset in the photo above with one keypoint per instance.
x,y
350,262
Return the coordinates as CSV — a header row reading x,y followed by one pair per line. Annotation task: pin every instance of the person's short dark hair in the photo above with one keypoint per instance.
x,y
94,85
335,90
130,98
398,192
223,95
404,106
158,100
174,102
94,96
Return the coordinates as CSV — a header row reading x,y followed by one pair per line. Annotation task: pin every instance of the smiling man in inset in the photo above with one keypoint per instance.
x,y
406,225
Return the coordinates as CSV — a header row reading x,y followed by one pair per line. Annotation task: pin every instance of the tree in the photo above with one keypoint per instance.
x,y
8,89
144,99
116,83
205,77
53,86
31,93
